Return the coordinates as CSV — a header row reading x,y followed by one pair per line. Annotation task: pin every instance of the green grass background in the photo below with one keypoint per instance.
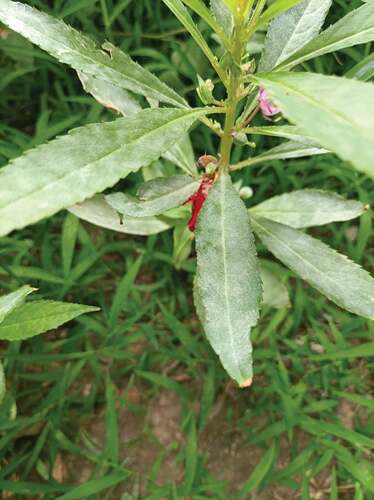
x,y
131,402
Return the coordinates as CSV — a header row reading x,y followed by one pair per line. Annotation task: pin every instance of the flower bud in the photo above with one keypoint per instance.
x,y
205,90
246,192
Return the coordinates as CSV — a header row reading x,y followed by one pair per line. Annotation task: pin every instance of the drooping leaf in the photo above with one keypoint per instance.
x,y
333,274
182,155
223,15
355,28
275,293
293,29
109,95
81,53
308,207
228,286
156,196
88,160
97,211
337,112
38,317
12,300
286,151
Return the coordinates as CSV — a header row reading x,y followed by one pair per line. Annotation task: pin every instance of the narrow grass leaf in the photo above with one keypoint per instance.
x,y
111,424
312,102
333,274
228,286
38,317
260,471
94,486
86,161
68,241
308,207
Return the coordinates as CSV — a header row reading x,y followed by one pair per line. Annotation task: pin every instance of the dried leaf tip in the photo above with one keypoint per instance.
x,y
246,383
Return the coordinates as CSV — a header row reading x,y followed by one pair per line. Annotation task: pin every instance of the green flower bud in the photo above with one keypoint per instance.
x,y
205,90
246,193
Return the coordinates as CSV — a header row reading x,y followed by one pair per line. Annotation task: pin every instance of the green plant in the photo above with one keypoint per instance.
x,y
330,115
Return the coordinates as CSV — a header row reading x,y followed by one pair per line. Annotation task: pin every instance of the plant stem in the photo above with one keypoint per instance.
x,y
233,97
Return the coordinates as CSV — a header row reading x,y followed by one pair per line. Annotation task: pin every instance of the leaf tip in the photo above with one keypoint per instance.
x,y
247,383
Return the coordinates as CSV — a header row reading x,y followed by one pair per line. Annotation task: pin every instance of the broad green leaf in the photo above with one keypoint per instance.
x,y
12,300
182,244
86,161
81,53
156,197
291,30
275,293
223,15
336,112
355,28
97,211
333,274
115,97
308,207
2,383
285,151
364,70
228,285
110,95
38,317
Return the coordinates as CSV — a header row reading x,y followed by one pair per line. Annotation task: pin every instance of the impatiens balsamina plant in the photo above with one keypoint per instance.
x,y
326,114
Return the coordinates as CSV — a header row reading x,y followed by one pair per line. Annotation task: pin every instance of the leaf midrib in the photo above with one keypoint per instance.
x,y
91,164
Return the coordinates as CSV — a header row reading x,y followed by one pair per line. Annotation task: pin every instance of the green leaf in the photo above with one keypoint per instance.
x,y
228,285
182,155
2,383
86,161
12,300
81,53
110,95
68,241
336,112
223,15
308,207
333,274
364,70
95,486
38,317
182,14
285,151
182,244
97,211
275,293
115,97
202,10
260,471
286,131
355,28
156,196
277,8
292,30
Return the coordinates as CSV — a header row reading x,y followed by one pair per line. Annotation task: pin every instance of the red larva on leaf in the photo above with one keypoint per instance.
x,y
198,199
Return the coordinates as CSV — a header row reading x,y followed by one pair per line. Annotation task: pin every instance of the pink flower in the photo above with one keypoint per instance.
x,y
266,106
